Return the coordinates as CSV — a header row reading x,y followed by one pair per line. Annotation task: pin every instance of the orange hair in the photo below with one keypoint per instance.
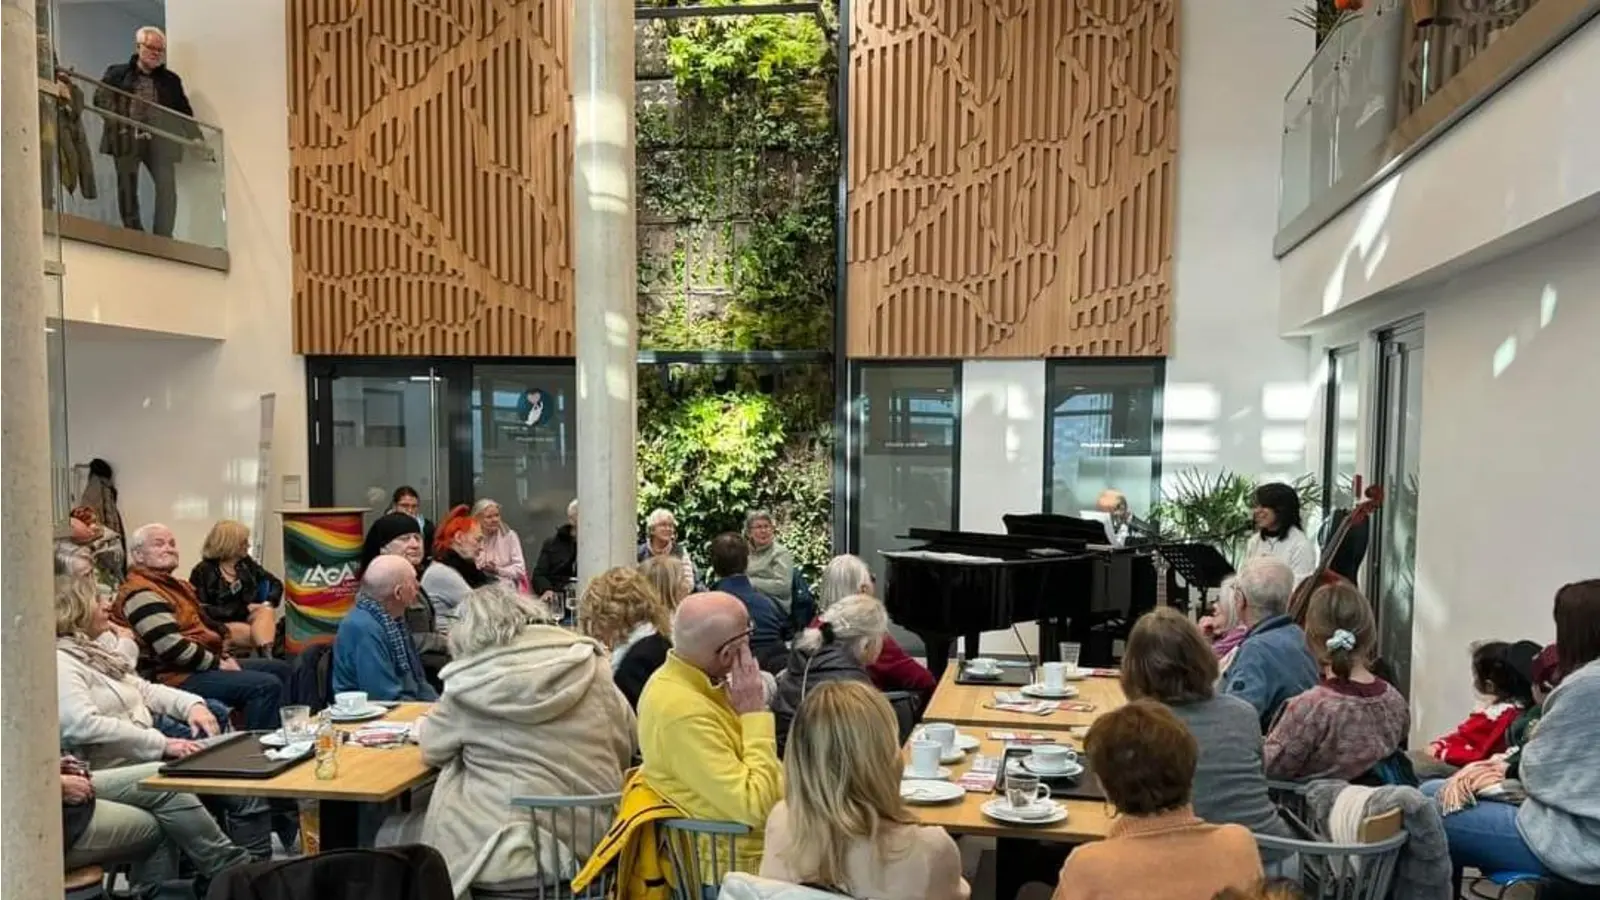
x,y
457,523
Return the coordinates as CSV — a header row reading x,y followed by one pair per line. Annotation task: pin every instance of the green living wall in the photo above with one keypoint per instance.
x,y
737,168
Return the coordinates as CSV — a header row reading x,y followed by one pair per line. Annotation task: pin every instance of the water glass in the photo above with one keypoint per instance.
x,y
297,725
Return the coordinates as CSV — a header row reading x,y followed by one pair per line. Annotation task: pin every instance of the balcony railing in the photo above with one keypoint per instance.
x,y
1375,91
125,172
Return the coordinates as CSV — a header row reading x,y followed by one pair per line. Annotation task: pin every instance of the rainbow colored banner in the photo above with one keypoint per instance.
x,y
321,556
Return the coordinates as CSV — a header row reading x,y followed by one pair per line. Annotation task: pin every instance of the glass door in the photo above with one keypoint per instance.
x,y
1398,458
524,446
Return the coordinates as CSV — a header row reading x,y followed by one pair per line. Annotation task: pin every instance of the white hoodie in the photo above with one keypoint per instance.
x,y
538,717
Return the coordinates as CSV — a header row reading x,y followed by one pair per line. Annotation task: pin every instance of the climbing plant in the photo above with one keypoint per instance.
x,y
737,167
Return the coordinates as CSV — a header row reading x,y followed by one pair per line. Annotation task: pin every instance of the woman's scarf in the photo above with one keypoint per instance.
x,y
401,650
95,656
639,633
467,568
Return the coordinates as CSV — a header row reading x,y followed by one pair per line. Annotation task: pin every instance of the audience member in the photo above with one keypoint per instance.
x,y
622,611
1156,848
707,739
661,539
1353,720
407,502
771,566
894,669
139,92
1272,663
558,558
1556,828
1225,627
729,555
372,651
845,640
235,590
397,534
1504,693
181,646
500,557
1167,660
528,709
842,823
454,572
1279,533
107,815
666,574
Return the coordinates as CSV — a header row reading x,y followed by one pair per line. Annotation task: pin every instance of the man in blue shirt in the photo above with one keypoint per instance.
x,y
373,651
1273,662
730,556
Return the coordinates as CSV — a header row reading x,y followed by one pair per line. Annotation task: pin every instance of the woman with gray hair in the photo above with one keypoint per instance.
x,y
771,566
528,709
500,557
839,646
661,539
894,669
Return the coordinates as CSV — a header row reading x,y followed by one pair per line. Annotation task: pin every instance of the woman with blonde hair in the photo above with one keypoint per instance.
x,y
842,823
666,574
500,556
894,669
235,590
622,610
838,647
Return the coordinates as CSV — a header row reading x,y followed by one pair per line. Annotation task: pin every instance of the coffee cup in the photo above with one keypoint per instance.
x,y
350,701
924,758
1055,675
943,734
983,665
1052,757
1023,791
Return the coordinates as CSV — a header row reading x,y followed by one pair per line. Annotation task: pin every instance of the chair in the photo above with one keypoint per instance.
x,y
87,883
1360,871
583,822
694,852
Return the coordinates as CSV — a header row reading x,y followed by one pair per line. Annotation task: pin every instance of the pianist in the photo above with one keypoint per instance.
x,y
1114,504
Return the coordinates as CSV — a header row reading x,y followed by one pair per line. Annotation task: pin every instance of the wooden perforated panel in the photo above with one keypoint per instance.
x,y
431,153
1011,175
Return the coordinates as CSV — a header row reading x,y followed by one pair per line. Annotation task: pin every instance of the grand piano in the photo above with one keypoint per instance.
x,y
1059,571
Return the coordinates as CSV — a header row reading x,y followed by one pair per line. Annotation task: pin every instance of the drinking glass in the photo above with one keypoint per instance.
x,y
296,723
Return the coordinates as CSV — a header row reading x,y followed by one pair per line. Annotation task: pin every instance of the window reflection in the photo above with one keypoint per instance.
x,y
907,421
1105,422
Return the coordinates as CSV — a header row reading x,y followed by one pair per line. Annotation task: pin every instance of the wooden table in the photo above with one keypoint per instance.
x,y
366,775
1087,820
964,704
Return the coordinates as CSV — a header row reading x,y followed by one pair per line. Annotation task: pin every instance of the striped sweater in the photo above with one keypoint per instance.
x,y
176,637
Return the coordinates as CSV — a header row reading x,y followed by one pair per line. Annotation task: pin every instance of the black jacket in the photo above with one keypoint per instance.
x,y
231,603
558,561
638,664
119,138
830,662
414,872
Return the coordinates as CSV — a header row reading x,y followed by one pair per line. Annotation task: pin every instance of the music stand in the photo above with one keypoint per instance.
x,y
1201,565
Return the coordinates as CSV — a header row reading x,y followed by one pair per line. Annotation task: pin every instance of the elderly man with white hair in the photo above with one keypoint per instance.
x,y
182,647
373,651
158,90
1272,663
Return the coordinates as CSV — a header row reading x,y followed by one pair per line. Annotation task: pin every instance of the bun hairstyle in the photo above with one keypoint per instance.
x,y
856,621
1339,628
457,523
1495,674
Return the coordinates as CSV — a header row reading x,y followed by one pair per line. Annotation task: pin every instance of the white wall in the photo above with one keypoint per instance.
x,y
93,34
1524,156
1236,395
179,418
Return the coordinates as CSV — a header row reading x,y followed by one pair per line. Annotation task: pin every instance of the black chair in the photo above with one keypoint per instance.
x,y
397,873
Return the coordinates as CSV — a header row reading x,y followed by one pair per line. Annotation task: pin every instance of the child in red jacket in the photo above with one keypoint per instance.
x,y
1505,692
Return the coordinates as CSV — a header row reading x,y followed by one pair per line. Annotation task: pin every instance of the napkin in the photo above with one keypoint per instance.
x,y
293,751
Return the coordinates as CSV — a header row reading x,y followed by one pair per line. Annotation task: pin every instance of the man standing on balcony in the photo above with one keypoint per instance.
x,y
139,130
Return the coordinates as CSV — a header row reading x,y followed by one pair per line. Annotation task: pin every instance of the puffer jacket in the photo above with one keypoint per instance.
x,y
830,662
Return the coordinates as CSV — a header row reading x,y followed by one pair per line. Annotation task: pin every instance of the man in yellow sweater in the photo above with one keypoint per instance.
x,y
708,740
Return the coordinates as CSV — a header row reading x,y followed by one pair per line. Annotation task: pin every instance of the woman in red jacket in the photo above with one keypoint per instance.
x,y
1506,692
894,669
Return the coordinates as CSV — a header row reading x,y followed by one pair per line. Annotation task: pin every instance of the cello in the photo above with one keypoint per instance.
x,y
1372,498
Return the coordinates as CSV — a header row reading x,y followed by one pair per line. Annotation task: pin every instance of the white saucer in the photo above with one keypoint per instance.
x,y
974,673
373,711
274,739
1066,691
966,742
1000,809
1071,770
922,790
940,775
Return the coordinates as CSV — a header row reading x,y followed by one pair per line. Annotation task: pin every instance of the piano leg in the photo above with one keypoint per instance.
x,y
937,647
969,644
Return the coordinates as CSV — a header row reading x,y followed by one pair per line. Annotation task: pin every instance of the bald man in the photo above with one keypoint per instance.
x,y
708,741
373,651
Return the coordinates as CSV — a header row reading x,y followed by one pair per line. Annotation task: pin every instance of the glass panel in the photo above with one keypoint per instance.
x,y
56,359
907,477
1344,383
1401,479
385,435
130,163
524,447
1103,423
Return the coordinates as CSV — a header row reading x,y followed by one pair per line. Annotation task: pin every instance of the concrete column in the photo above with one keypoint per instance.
x,y
605,283
30,786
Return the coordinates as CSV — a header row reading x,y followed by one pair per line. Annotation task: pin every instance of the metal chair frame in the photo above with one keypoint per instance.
x,y
596,811
688,842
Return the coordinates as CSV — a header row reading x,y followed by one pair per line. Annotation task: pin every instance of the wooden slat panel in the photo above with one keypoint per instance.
x,y
1011,175
431,151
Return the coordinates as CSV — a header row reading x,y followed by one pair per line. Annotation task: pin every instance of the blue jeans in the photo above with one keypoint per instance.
x,y
177,728
258,689
1486,838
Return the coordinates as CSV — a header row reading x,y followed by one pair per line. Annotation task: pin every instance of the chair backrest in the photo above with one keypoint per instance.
x,y
699,852
565,832
1330,871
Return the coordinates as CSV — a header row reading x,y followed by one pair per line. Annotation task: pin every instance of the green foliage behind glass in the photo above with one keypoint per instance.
x,y
1198,504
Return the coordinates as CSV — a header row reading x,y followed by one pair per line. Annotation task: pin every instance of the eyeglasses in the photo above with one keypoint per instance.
x,y
736,639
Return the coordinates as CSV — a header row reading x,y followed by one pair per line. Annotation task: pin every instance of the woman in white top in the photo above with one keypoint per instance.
x,y
1278,530
842,823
